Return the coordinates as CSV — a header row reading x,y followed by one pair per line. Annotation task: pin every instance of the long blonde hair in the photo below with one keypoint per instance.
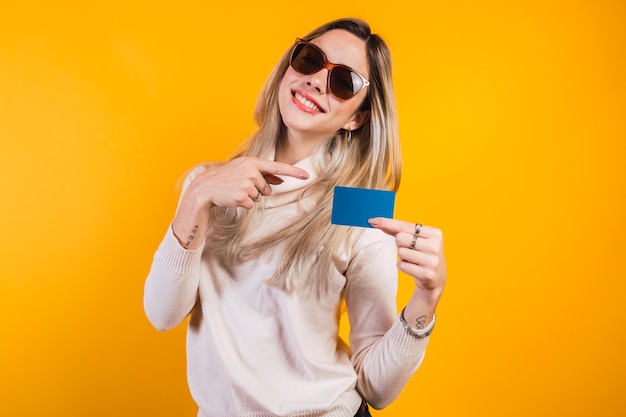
x,y
371,159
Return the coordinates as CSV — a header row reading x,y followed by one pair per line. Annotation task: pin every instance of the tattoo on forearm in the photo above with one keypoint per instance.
x,y
192,236
420,322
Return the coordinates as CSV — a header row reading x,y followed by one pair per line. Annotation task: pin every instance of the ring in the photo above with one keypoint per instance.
x,y
418,227
258,196
413,241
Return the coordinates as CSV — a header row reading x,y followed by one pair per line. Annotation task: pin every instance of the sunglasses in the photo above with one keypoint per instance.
x,y
343,82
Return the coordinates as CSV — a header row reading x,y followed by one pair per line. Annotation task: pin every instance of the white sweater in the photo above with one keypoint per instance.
x,y
257,351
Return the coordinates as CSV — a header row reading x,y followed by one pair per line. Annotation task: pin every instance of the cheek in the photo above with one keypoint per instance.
x,y
284,89
284,94
289,78
344,109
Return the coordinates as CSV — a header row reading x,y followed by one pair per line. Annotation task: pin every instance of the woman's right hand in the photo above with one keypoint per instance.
x,y
240,182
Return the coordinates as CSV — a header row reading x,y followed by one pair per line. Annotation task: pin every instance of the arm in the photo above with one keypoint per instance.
x,y
171,288
385,355
420,250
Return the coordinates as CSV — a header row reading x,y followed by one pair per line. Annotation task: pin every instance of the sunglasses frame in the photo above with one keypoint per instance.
x,y
329,66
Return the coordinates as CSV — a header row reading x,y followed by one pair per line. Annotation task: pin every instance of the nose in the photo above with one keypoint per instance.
x,y
318,81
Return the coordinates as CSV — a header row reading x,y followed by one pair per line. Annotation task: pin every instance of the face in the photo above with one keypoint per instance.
x,y
307,107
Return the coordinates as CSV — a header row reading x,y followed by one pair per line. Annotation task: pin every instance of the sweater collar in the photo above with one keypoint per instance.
x,y
292,188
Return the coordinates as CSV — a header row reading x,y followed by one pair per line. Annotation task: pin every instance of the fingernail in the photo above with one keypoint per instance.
x,y
374,222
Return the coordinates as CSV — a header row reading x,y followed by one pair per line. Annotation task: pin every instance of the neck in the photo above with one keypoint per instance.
x,y
293,148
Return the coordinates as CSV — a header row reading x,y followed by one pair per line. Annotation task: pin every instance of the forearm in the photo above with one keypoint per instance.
x,y
420,252
384,354
171,287
191,222
420,310
385,367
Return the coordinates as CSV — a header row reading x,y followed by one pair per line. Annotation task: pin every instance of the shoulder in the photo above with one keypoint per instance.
x,y
365,245
373,261
370,236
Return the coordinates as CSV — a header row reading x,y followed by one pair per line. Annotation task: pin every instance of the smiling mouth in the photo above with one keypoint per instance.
x,y
307,103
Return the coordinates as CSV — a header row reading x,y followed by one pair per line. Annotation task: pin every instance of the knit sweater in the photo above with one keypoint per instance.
x,y
258,351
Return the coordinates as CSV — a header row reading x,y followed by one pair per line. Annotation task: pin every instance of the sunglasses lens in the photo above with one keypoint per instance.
x,y
344,83
306,59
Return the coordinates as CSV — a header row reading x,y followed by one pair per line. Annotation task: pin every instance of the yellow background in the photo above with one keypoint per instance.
x,y
512,117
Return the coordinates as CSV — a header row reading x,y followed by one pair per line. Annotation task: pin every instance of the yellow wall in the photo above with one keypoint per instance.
x,y
513,126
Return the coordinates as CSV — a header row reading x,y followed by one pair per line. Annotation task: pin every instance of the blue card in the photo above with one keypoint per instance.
x,y
354,206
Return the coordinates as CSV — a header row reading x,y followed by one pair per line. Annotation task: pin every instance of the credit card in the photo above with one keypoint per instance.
x,y
354,206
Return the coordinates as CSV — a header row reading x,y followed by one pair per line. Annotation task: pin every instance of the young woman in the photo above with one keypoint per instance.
x,y
253,257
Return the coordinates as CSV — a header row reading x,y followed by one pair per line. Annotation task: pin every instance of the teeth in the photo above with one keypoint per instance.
x,y
306,102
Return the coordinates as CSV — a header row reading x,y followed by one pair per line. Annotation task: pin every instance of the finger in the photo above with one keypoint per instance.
x,y
424,259
393,227
424,276
264,183
240,198
421,244
256,195
410,241
274,168
261,183
263,186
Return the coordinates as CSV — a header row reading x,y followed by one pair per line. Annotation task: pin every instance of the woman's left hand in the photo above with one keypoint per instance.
x,y
420,249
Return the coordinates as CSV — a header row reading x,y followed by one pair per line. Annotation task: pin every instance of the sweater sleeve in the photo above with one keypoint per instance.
x,y
384,355
171,288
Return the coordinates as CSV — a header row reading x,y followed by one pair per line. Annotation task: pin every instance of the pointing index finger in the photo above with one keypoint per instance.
x,y
279,168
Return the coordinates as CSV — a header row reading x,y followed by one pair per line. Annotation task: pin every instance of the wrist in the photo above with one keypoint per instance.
x,y
419,329
424,300
190,230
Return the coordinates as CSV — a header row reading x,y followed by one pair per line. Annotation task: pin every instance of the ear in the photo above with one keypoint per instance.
x,y
357,120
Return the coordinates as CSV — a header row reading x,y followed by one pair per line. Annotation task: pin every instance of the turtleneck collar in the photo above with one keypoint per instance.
x,y
292,188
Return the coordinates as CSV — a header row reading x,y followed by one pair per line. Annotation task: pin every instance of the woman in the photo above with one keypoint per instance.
x,y
252,255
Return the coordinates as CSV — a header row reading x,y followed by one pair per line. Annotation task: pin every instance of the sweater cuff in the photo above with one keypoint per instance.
x,y
176,258
405,343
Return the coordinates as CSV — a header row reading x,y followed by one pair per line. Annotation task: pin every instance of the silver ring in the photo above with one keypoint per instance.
x,y
413,241
418,227
258,197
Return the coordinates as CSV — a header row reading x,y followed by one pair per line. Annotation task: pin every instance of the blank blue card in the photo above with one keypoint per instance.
x,y
354,206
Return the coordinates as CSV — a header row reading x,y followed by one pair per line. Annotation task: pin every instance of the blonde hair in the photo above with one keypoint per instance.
x,y
371,159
